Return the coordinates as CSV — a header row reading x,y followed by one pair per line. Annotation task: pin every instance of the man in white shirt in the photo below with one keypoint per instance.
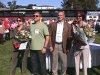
x,y
60,32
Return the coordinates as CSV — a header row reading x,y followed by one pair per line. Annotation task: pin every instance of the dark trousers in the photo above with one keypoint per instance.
x,y
7,36
1,38
38,62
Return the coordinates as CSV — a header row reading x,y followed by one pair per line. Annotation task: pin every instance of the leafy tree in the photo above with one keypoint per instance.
x,y
30,6
89,5
80,4
2,5
12,5
9,4
20,6
98,8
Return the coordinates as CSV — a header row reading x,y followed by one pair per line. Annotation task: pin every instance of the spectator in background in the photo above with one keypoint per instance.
x,y
13,25
2,31
51,22
41,19
95,22
7,28
48,22
97,27
11,21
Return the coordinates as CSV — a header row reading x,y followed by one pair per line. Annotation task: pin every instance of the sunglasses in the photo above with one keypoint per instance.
x,y
35,15
19,20
79,16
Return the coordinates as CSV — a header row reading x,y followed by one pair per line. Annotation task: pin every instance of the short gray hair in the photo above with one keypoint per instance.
x,y
62,12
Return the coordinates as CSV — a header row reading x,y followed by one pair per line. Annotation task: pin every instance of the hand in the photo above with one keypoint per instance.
x,y
43,51
16,45
51,49
81,29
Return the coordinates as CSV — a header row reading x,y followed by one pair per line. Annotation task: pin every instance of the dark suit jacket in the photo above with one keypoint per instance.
x,y
66,43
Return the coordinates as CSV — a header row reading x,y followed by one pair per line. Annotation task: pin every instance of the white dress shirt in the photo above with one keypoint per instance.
x,y
59,32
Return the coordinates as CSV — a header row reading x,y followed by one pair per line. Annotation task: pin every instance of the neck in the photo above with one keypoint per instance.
x,y
37,22
80,22
61,21
20,27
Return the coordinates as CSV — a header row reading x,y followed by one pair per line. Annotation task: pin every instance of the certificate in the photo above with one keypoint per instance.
x,y
23,46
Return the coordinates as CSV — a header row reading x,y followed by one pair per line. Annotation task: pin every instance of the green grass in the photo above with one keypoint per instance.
x,y
5,61
97,38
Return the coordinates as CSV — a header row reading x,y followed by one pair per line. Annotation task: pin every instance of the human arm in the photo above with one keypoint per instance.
x,y
47,37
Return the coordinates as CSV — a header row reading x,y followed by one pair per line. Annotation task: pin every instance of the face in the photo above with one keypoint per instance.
x,y
61,16
37,17
79,17
6,19
19,21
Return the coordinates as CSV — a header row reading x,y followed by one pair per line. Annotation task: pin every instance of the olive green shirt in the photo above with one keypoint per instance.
x,y
38,32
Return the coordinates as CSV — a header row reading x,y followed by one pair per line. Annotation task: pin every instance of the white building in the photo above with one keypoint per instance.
x,y
44,7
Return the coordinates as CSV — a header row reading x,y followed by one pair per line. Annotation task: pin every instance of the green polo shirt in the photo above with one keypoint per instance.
x,y
38,32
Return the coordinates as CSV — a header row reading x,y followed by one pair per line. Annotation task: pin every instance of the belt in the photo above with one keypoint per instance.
x,y
58,42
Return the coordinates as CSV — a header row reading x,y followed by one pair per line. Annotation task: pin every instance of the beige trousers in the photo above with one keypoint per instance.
x,y
81,54
58,53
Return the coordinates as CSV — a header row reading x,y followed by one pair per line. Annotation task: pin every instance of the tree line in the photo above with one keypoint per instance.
x,y
66,4
80,4
13,5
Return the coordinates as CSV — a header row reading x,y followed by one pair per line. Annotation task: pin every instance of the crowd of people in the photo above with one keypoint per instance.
x,y
9,24
55,34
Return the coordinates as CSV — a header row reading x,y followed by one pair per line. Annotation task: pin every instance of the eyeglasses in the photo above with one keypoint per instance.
x,y
35,15
60,15
19,20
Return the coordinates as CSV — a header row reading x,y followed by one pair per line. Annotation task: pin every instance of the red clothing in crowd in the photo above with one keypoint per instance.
x,y
7,24
51,22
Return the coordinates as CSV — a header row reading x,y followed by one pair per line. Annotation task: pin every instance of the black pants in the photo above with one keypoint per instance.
x,y
7,36
38,62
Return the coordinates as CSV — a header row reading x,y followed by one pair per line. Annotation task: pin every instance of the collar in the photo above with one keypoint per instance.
x,y
60,22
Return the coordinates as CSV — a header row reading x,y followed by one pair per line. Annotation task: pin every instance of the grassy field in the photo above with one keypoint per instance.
x,y
5,61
